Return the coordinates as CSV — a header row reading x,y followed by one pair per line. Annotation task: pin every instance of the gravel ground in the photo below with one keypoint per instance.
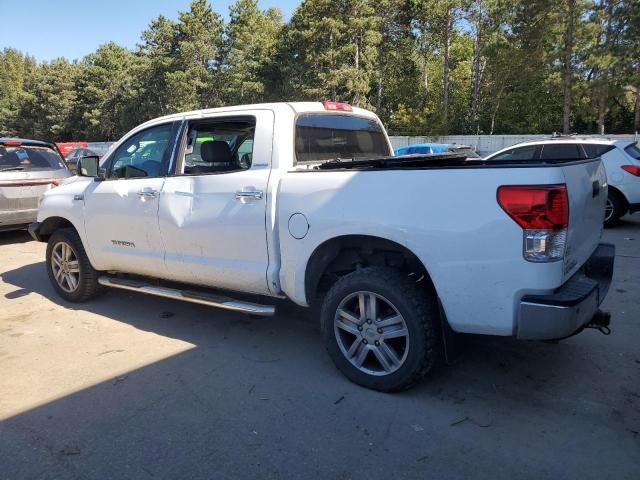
x,y
131,386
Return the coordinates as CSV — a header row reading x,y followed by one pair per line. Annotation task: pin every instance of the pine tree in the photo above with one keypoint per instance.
x,y
193,82
331,50
250,48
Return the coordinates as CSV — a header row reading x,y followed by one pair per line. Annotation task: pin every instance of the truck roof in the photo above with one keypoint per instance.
x,y
296,107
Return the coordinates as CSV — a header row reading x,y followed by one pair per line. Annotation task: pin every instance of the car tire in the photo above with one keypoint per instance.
x,y
392,362
616,208
69,269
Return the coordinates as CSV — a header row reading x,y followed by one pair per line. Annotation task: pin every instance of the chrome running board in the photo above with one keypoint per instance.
x,y
209,299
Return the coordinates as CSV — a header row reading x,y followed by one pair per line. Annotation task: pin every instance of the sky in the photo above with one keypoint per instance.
x,y
48,29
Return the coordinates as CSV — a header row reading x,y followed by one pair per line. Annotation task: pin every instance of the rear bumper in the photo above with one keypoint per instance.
x,y
572,306
10,219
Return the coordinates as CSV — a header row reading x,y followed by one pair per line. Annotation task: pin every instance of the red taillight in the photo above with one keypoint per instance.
x,y
632,169
337,106
536,207
12,143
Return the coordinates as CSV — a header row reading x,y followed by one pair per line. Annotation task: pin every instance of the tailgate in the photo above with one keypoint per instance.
x,y
586,186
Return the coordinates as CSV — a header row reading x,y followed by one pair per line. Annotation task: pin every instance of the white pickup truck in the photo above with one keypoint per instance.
x,y
236,207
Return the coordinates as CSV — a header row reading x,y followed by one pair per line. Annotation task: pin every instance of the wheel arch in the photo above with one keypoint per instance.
x,y
343,254
49,225
617,192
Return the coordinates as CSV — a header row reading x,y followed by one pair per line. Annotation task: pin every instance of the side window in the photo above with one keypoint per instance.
x,y
562,151
633,151
594,150
529,152
142,155
245,153
219,146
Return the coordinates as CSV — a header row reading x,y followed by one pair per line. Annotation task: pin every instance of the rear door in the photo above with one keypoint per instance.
x,y
213,209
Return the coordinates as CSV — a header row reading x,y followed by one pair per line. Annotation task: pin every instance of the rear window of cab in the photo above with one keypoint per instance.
x,y
330,136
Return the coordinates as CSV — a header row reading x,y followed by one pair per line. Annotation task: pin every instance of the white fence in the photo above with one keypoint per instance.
x,y
486,144
483,144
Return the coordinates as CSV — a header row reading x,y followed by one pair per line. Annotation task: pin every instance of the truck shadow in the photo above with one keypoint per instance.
x,y
629,221
14,236
261,397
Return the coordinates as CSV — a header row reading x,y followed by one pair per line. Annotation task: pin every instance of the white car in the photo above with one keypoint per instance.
x,y
621,160
304,201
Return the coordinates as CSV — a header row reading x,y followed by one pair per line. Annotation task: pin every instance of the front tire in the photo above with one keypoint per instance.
x,y
380,329
69,269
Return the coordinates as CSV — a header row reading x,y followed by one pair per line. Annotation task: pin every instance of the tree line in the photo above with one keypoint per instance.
x,y
426,67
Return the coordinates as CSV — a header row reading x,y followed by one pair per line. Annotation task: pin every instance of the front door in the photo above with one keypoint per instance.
x,y
212,211
121,212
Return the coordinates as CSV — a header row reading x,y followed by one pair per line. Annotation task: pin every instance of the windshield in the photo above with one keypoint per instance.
x,y
322,136
633,151
25,157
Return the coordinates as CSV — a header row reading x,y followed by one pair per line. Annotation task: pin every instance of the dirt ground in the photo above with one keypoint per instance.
x,y
131,386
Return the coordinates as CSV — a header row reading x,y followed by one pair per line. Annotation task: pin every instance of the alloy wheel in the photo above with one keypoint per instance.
x,y
608,211
65,267
371,333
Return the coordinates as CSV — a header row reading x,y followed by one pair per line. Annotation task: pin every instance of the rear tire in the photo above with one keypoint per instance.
x,y
69,269
394,343
616,208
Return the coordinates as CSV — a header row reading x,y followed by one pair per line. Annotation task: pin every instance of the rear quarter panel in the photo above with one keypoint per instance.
x,y
623,181
448,218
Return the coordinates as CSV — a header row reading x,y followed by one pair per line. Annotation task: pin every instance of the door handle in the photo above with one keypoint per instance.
x,y
147,194
249,195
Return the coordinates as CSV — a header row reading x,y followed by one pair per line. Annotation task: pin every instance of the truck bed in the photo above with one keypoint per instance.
x,y
444,209
437,160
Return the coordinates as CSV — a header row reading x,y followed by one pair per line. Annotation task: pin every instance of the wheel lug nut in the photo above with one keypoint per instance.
x,y
359,328
377,343
379,330
369,321
364,340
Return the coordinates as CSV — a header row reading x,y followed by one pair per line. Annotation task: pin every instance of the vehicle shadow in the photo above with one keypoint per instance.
x,y
14,236
629,221
260,397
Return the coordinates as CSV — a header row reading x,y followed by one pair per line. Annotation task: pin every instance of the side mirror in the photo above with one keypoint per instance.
x,y
88,166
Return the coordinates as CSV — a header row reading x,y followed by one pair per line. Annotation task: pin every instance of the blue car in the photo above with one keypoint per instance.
x,y
426,148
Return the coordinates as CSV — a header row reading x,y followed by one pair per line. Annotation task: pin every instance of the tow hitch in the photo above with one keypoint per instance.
x,y
601,320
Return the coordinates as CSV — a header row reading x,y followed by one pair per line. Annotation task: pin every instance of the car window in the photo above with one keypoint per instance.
x,y
219,146
562,151
529,152
245,153
595,150
633,151
143,154
323,136
29,158
469,152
